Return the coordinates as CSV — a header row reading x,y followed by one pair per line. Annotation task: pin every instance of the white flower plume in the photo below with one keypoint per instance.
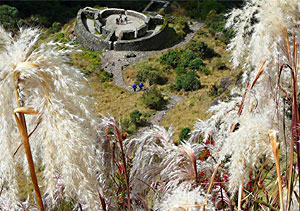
x,y
65,130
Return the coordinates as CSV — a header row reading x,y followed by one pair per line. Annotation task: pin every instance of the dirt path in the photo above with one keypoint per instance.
x,y
115,61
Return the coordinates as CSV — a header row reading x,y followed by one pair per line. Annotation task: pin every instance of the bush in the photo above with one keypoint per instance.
x,y
56,26
186,57
8,17
135,117
105,76
184,134
125,123
188,82
154,99
202,49
152,76
59,36
205,70
216,23
209,5
180,70
196,64
171,58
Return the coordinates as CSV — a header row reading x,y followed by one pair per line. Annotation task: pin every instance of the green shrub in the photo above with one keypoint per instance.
x,y
188,82
205,70
184,134
202,49
8,17
171,57
209,5
59,36
152,76
180,70
196,64
104,76
125,123
56,26
216,23
186,57
154,99
135,117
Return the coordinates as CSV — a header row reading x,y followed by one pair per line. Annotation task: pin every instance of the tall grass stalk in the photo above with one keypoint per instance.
x,y
21,123
273,137
295,132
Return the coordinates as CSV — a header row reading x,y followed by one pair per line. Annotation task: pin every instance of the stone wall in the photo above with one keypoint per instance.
x,y
138,15
105,31
85,38
153,42
141,31
98,26
107,12
157,20
89,12
127,35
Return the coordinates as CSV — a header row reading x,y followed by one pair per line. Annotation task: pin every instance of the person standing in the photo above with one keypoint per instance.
x,y
134,87
141,86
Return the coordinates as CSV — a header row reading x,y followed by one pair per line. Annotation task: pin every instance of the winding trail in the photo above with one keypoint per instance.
x,y
115,61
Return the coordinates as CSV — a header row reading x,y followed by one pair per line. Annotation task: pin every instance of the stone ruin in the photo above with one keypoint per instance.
x,y
98,30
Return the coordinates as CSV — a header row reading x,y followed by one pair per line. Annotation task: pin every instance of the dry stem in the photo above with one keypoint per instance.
x,y
273,137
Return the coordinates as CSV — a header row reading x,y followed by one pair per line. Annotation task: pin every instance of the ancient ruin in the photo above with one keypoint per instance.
x,y
108,29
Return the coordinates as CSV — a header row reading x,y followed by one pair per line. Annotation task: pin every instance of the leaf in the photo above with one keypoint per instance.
x,y
258,73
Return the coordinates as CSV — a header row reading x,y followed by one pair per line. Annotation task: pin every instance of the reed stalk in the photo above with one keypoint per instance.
x,y
19,114
273,137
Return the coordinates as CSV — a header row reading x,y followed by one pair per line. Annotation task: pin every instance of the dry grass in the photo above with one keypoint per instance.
x,y
116,101
194,105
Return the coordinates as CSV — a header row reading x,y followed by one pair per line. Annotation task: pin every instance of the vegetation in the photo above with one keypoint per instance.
x,y
154,99
8,17
152,76
188,81
226,162
184,134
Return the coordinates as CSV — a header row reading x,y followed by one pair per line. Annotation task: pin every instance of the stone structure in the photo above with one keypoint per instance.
x,y
98,30
87,39
127,35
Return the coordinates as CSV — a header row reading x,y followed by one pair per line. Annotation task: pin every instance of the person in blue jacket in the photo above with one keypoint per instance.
x,y
134,87
141,86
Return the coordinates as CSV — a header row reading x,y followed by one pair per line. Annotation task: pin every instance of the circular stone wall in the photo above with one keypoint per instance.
x,y
131,35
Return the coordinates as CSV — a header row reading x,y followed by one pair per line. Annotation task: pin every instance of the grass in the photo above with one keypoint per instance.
x,y
115,100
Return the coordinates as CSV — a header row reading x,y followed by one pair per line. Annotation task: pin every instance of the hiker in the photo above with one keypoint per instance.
x,y
141,86
134,87
117,21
